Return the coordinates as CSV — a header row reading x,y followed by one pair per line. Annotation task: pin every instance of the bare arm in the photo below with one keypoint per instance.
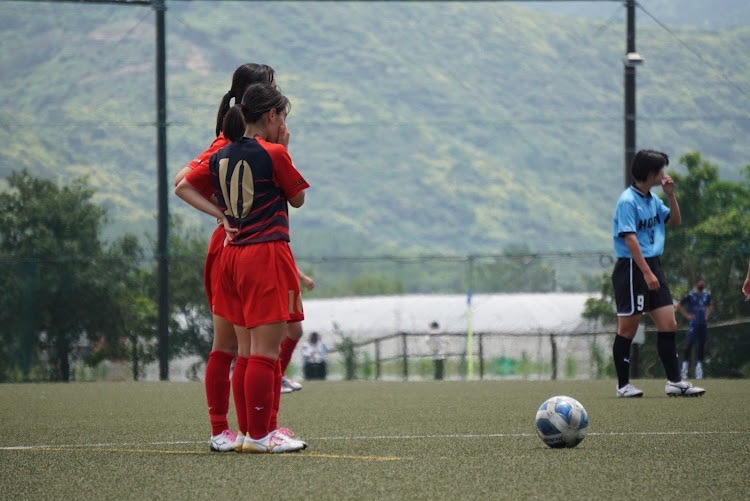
x,y
193,197
298,199
631,240
746,285
308,282
181,175
675,217
684,312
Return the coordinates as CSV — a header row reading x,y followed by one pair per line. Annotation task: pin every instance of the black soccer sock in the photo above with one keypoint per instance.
x,y
667,348
621,354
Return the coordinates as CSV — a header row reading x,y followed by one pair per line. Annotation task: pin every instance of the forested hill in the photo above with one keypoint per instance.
x,y
422,127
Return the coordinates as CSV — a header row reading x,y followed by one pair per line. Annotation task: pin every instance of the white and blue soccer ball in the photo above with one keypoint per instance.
x,y
562,422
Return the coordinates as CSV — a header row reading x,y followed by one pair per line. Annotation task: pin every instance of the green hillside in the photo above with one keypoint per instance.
x,y
422,127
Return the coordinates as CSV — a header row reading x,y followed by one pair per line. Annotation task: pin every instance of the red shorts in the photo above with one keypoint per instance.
x,y
211,272
259,285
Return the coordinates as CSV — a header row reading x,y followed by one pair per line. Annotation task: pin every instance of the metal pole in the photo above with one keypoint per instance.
x,y
405,356
481,356
630,117
162,247
470,321
377,360
629,93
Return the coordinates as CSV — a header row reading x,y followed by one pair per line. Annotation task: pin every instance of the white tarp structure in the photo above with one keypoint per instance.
x,y
372,317
512,326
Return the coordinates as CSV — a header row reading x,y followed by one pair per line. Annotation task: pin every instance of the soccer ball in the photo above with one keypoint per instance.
x,y
562,422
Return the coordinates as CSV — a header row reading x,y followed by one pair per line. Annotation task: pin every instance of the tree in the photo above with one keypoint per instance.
x,y
191,325
519,270
52,233
134,334
714,239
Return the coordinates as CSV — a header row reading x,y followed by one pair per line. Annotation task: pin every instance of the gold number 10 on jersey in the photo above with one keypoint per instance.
x,y
242,183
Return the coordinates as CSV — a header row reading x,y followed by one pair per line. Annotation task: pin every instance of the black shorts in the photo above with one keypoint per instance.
x,y
632,295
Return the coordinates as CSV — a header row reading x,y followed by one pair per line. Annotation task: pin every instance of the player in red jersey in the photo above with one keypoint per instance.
x,y
293,335
224,346
254,180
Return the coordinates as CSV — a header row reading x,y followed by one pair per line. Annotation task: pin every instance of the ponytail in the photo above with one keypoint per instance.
x,y
233,124
223,108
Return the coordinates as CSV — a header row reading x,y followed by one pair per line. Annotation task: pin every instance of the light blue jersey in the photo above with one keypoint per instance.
x,y
643,214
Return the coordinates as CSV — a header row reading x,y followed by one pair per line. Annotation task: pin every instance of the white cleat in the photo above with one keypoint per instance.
x,y
289,434
223,442
273,443
629,391
683,389
239,441
289,385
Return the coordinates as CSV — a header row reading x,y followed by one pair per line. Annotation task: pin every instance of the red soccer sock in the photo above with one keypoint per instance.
x,y
274,423
285,352
217,389
259,383
238,390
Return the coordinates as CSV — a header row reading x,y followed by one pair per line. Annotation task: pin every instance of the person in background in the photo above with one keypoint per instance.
x,y
314,353
746,285
640,286
436,344
696,307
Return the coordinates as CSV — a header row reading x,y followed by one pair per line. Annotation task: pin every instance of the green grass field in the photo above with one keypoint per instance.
x,y
431,440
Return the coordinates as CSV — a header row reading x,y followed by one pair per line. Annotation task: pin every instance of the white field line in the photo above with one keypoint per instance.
x,y
376,437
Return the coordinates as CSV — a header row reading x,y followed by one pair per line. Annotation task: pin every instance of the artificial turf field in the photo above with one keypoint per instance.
x,y
376,440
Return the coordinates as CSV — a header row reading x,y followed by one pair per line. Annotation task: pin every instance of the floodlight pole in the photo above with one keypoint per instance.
x,y
162,253
632,59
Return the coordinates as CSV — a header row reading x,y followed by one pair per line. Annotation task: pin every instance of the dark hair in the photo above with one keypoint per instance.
x,y
259,99
243,76
647,162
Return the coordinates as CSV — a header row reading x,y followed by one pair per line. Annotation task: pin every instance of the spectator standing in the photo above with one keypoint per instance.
x,y
436,345
314,354
696,307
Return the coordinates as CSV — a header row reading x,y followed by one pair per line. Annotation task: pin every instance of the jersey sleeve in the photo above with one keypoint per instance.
x,y
201,179
625,216
685,299
200,175
203,158
285,174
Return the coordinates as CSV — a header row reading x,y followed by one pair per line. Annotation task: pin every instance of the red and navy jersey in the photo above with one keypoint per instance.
x,y
253,180
200,177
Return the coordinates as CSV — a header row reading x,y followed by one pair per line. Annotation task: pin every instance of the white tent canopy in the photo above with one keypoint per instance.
x,y
377,316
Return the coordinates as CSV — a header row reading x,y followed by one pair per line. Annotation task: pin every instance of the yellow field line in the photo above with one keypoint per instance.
x,y
348,456
203,453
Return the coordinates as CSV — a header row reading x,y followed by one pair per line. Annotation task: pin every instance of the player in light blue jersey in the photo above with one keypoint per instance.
x,y
639,231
